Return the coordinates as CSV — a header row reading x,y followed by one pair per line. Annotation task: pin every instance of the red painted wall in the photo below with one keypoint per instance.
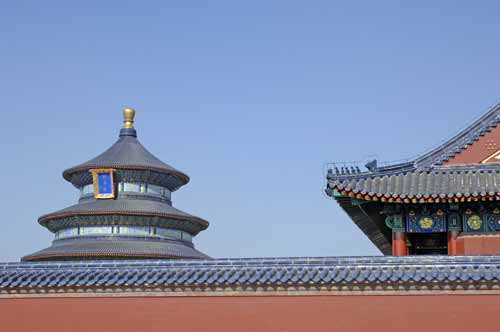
x,y
281,313
480,150
478,244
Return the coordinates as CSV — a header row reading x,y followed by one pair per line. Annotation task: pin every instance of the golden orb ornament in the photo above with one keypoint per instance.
x,y
128,117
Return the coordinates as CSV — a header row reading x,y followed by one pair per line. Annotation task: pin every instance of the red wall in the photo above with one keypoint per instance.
x,y
484,147
281,313
476,244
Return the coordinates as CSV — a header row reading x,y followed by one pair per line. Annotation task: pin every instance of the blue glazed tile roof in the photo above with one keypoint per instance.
x,y
127,152
248,271
124,206
117,247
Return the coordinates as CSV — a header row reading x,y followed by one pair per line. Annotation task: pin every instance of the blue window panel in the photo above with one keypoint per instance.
x,y
187,236
67,232
133,187
88,189
95,230
152,189
135,231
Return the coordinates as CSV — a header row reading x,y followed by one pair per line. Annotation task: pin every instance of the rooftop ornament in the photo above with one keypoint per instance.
x,y
128,118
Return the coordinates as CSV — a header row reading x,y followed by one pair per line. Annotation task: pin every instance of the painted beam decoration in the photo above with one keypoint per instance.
x,y
486,221
104,186
493,220
425,222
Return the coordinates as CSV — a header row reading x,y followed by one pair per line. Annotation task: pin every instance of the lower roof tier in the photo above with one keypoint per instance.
x,y
109,211
109,248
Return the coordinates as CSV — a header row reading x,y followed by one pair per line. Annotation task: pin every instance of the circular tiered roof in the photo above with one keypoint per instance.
x,y
101,228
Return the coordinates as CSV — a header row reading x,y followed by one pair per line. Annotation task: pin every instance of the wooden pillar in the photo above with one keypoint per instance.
x,y
399,244
454,229
398,236
452,242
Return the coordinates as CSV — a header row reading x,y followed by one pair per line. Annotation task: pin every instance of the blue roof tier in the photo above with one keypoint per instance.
x,y
127,154
125,206
116,248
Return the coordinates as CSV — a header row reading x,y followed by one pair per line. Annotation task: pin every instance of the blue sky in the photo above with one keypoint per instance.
x,y
250,98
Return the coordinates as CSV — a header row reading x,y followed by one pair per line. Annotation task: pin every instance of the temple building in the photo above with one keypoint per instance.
x,y
447,201
125,208
123,258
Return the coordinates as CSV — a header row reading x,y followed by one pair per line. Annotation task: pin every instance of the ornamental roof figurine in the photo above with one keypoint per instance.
x,y
125,209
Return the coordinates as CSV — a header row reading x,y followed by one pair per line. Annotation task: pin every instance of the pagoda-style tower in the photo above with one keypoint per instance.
x,y
125,209
446,201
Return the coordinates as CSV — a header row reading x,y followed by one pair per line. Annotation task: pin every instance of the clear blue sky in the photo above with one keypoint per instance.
x,y
250,98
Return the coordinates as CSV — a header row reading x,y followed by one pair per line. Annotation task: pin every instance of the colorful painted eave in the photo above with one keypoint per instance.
x,y
250,274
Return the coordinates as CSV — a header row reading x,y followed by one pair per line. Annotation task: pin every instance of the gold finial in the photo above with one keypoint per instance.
x,y
128,117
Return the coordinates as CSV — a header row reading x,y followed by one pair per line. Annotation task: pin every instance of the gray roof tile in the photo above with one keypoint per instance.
x,y
473,180
126,153
124,206
267,271
109,247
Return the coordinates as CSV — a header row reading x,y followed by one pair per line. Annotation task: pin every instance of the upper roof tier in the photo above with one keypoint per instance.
x,y
128,154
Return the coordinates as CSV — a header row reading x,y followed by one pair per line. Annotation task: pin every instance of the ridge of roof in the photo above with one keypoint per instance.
x,y
460,141
437,156
345,261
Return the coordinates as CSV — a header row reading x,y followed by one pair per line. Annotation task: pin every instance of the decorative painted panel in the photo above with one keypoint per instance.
x,y
492,221
398,224
473,222
424,222
103,183
454,222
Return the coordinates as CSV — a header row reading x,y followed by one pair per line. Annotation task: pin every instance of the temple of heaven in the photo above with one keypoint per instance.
x,y
125,209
